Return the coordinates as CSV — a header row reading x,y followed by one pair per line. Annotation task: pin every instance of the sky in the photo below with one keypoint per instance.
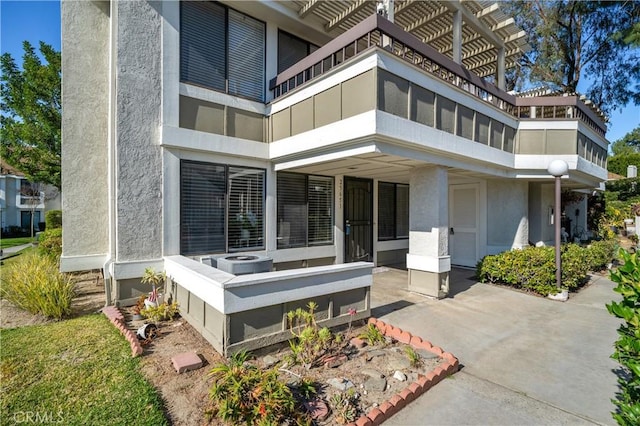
x,y
40,20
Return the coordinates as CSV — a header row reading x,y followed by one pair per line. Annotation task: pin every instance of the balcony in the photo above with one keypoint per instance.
x,y
378,32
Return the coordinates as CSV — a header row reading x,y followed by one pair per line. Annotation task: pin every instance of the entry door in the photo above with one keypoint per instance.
x,y
463,224
358,207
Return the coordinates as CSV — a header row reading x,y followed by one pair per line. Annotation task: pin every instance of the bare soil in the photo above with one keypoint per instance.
x,y
185,395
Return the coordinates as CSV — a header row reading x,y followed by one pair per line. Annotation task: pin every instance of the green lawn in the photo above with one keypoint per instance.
x,y
74,372
12,242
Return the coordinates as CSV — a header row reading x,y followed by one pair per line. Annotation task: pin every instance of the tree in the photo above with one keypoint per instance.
x,y
590,40
618,164
628,144
32,196
31,114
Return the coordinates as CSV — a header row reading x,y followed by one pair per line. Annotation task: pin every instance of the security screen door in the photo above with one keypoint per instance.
x,y
358,212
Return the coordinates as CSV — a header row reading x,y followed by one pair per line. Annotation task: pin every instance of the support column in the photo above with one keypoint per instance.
x,y
457,37
428,260
500,69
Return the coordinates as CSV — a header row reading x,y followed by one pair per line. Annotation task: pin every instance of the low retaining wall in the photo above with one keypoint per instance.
x,y
250,311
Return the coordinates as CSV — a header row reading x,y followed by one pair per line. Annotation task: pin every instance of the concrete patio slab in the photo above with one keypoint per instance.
x,y
549,356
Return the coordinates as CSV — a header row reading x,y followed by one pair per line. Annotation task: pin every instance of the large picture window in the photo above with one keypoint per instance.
x,y
222,49
305,210
393,211
221,208
292,50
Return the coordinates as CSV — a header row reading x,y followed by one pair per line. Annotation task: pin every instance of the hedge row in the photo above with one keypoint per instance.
x,y
533,268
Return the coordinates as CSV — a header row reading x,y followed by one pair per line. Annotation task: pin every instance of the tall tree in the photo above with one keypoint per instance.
x,y
574,40
30,119
628,144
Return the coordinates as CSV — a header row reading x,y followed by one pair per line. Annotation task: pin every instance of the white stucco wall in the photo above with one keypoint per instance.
x,y
85,107
541,200
507,215
138,174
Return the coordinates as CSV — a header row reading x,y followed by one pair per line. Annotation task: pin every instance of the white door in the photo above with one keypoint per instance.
x,y
463,224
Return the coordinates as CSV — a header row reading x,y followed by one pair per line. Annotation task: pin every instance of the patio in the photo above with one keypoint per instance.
x,y
525,359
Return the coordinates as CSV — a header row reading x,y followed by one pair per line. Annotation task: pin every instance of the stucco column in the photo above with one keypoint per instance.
x,y
428,260
500,69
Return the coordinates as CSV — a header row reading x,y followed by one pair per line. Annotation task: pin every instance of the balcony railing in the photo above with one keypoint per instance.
x,y
378,32
559,107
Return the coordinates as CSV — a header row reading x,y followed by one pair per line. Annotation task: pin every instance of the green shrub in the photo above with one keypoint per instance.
x,y
50,243
534,268
242,393
34,284
627,347
53,219
601,253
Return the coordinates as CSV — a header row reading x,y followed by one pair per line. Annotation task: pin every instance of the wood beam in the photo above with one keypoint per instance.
x,y
344,15
426,19
487,10
471,20
309,7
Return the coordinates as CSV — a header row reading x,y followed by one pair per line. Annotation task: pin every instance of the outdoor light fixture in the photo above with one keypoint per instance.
x,y
557,168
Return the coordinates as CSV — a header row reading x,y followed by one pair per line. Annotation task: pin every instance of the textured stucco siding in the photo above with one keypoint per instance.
x,y
138,113
85,109
507,214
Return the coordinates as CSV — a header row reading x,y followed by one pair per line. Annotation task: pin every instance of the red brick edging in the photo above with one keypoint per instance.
x,y
117,319
398,401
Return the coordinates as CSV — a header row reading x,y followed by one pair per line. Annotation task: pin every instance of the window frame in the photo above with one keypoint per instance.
x,y
395,236
263,91
307,222
226,209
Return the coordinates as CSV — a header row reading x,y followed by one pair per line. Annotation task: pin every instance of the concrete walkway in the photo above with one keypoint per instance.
x,y
525,360
10,251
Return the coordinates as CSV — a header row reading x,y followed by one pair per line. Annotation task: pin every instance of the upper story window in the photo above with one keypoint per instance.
x,y
291,50
222,49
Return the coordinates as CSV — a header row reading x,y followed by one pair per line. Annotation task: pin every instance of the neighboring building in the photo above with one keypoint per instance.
x,y
312,132
19,199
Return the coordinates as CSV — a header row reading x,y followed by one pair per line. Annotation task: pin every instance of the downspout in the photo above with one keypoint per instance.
x,y
107,268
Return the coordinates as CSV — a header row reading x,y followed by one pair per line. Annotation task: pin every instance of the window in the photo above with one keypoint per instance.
x,y
305,210
292,50
393,211
222,49
221,208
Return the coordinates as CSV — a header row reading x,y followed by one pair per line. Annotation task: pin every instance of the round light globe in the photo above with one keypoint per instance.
x,y
558,168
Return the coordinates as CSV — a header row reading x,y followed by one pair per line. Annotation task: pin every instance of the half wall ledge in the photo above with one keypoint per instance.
x,y
249,311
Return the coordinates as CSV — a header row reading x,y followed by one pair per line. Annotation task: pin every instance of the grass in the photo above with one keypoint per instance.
x,y
74,372
15,257
12,242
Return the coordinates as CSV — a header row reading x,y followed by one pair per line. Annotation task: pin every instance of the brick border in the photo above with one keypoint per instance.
x,y
378,415
117,319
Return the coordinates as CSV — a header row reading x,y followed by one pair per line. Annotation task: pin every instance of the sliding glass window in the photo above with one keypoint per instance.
x,y
222,49
221,208
305,210
393,211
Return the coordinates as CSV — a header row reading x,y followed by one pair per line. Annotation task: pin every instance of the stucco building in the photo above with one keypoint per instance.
x,y
314,133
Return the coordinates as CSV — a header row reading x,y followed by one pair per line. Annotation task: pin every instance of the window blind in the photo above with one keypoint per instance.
x,y
292,210
246,208
386,211
203,44
320,190
202,208
246,56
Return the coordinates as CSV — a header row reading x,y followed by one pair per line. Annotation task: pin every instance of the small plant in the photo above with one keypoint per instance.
x,y
307,388
414,357
627,347
310,343
372,335
162,312
156,279
35,284
345,406
242,393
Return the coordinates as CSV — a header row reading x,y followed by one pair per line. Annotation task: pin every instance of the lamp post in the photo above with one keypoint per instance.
x,y
557,168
